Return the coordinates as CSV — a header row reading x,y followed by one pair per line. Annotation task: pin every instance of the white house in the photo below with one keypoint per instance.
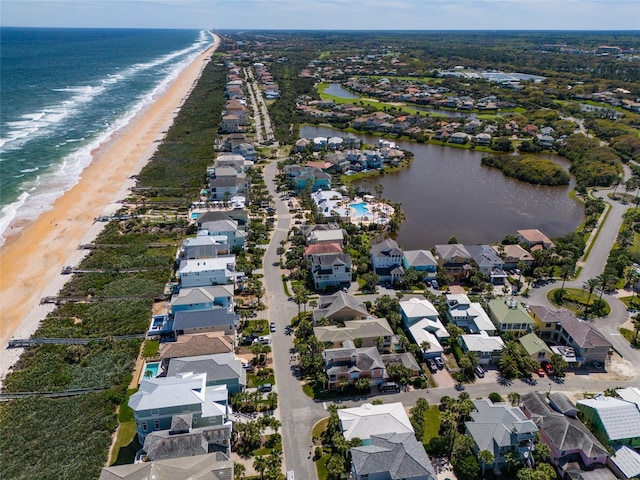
x,y
468,315
208,271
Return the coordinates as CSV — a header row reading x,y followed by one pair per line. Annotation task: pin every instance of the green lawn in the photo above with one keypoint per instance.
x,y
628,335
321,467
431,424
126,444
575,300
150,348
319,428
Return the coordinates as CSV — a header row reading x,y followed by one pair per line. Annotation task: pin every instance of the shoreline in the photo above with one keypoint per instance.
x,y
31,260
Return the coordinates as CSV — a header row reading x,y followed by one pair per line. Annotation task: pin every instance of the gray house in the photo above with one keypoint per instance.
x,y
391,456
221,369
202,467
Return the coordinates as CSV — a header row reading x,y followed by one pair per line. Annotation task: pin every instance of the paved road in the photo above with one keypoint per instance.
x,y
297,412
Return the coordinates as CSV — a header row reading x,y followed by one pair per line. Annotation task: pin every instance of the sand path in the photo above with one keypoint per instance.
x,y
30,261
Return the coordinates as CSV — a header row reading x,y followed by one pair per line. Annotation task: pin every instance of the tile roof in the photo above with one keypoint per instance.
x,y
367,420
197,344
583,333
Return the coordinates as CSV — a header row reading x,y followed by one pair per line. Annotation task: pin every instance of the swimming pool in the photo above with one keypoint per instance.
x,y
361,209
150,367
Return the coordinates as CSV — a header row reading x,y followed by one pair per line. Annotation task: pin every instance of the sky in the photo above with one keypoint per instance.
x,y
326,14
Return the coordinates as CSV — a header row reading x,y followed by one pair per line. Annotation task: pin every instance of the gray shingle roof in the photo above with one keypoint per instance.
x,y
401,455
387,248
565,433
331,305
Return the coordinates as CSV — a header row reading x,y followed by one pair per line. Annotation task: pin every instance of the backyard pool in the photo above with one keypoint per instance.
x,y
361,209
150,370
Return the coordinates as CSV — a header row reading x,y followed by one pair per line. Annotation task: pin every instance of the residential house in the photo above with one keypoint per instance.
x,y
203,245
459,138
535,347
331,270
159,399
392,456
588,343
625,463
545,141
335,143
205,467
421,260
500,428
221,369
534,238
468,315
340,307
236,236
230,124
196,344
422,320
614,420
406,359
570,442
349,363
489,263
239,216
331,203
303,177
203,298
367,420
224,188
509,315
386,260
321,249
331,235
235,107
217,319
483,139
512,255
302,144
181,440
487,348
369,332
208,271
545,320
247,150
454,259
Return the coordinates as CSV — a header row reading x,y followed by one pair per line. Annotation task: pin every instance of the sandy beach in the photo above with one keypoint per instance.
x,y
31,261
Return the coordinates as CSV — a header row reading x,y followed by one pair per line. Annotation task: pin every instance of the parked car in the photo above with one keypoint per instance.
x,y
541,372
548,368
439,362
434,284
272,327
433,368
479,371
265,387
264,340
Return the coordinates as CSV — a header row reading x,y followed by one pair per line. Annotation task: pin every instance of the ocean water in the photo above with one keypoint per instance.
x,y
63,93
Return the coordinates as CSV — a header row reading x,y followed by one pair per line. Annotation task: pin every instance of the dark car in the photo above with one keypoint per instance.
x,y
479,371
439,362
265,387
433,368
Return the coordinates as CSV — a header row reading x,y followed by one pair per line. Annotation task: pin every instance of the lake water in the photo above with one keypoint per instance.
x,y
447,192
336,90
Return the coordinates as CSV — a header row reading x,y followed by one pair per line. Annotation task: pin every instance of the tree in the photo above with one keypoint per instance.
x,y
370,280
589,285
335,468
541,452
558,364
514,398
300,296
238,471
512,460
466,468
260,465
363,384
453,240
486,458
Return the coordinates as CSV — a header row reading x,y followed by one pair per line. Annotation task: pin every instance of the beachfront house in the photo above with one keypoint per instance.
x,y
208,271
182,468
221,369
228,228
203,245
159,399
203,298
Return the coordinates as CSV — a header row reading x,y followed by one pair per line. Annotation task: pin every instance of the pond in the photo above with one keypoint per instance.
x,y
336,90
446,192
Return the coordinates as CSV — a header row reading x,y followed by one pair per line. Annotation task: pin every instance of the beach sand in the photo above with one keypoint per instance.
x,y
31,261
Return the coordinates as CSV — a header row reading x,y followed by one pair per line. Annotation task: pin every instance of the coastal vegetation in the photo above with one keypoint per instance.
x,y
538,171
128,262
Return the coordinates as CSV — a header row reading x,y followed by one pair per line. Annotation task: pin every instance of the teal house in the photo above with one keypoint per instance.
x,y
614,420
160,399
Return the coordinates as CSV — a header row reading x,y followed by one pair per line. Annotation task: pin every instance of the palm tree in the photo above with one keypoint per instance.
x,y
604,282
514,398
590,285
260,464
486,458
425,346
566,269
238,471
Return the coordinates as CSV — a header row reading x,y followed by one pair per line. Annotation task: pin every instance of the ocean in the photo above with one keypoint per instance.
x,y
63,93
